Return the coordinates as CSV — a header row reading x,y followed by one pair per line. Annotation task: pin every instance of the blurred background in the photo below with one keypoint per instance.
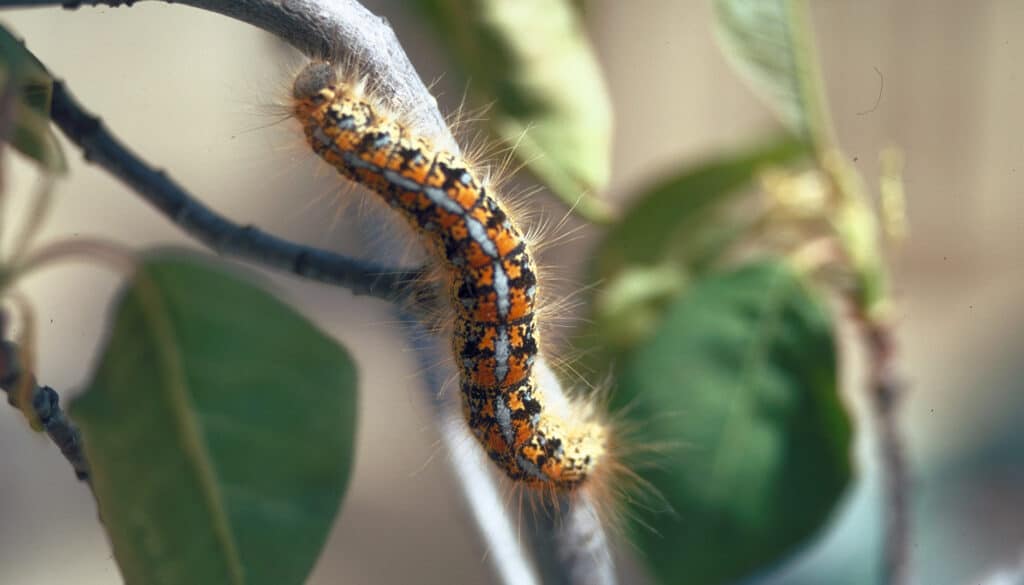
x,y
188,90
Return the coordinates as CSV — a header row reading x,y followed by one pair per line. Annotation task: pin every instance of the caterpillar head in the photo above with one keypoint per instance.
x,y
313,78
569,441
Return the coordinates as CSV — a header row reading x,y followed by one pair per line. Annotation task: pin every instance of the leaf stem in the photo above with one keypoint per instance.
x,y
886,394
44,403
858,229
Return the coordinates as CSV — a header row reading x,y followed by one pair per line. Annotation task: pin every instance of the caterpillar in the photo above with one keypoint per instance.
x,y
491,276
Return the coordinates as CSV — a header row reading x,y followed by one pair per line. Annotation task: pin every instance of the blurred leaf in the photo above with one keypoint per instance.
x,y
219,427
769,42
25,91
675,232
668,221
738,389
532,57
857,226
628,308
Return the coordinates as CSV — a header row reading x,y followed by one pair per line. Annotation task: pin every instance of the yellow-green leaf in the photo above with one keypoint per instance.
x,y
25,92
532,58
769,42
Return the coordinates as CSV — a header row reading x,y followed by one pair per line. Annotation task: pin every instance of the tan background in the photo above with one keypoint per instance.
x,y
185,88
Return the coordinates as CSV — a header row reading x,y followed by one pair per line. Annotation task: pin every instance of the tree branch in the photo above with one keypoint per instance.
x,y
45,407
336,30
569,542
572,546
885,393
243,241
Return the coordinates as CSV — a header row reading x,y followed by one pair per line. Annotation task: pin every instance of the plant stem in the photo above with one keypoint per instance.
x,y
572,545
45,407
206,225
335,30
886,392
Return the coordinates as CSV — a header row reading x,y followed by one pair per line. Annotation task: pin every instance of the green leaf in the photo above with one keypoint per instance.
x,y
219,428
533,59
737,390
769,42
857,226
667,222
629,307
25,91
675,232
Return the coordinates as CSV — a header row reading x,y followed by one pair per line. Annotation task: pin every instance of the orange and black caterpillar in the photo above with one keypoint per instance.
x,y
493,279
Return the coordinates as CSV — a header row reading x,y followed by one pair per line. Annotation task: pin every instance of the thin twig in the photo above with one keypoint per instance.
x,y
886,391
209,227
45,405
341,30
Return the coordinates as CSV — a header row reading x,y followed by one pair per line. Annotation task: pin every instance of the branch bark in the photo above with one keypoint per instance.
x,y
473,472
573,545
336,30
206,225
886,392
44,406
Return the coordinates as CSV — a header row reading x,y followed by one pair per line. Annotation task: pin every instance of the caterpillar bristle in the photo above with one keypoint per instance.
x,y
504,321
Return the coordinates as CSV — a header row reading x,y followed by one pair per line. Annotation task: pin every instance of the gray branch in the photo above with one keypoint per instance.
x,y
573,545
473,472
206,225
335,30
568,539
43,404
885,392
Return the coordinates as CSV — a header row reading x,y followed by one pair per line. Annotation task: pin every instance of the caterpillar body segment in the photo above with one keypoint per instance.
x,y
491,273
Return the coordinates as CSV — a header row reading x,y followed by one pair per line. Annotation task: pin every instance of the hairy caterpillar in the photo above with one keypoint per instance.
x,y
492,279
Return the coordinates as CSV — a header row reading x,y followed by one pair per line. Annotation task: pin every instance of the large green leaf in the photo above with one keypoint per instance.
x,y
737,390
25,91
533,59
770,43
219,428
